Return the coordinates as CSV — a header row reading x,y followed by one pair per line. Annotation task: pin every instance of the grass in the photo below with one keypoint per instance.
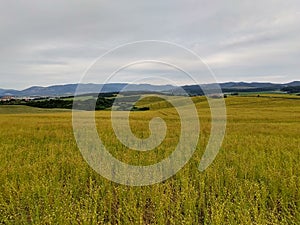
x,y
21,109
270,94
255,179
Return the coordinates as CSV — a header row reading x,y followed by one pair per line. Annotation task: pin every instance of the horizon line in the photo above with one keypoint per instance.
x,y
62,84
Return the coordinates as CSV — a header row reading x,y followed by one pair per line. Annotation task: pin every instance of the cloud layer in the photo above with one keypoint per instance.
x,y
51,42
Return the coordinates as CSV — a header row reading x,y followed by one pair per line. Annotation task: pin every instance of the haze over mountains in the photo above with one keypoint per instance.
x,y
69,89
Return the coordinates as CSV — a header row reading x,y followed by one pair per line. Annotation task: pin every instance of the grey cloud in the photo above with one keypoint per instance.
x,y
49,42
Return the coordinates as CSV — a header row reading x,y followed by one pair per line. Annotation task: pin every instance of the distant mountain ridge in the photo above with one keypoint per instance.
x,y
69,89
241,87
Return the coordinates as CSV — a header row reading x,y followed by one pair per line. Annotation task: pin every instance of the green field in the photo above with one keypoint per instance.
x,y
255,178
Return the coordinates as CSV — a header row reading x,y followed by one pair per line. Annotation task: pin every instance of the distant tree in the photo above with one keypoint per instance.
x,y
291,89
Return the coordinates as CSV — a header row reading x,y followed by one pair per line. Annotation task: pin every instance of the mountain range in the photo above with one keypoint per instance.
x,y
69,89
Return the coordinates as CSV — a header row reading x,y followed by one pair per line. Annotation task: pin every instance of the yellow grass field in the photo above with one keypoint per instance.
x,y
255,178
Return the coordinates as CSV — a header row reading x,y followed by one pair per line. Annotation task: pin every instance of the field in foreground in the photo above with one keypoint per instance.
x,y
255,179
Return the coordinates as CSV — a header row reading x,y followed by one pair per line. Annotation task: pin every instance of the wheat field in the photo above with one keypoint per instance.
x,y
255,178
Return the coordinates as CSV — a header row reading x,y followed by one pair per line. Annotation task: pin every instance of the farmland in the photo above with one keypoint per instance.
x,y
255,178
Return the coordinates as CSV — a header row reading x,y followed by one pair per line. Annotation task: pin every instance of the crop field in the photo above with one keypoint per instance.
x,y
255,178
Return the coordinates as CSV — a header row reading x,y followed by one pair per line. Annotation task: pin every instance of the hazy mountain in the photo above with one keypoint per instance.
x,y
69,89
248,85
240,87
4,92
293,84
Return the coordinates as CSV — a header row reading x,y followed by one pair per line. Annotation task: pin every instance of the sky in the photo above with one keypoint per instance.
x,y
55,42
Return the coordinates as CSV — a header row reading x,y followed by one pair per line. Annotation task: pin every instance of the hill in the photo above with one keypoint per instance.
x,y
69,89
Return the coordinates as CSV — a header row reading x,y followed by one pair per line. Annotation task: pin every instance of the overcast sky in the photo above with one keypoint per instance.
x,y
54,42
